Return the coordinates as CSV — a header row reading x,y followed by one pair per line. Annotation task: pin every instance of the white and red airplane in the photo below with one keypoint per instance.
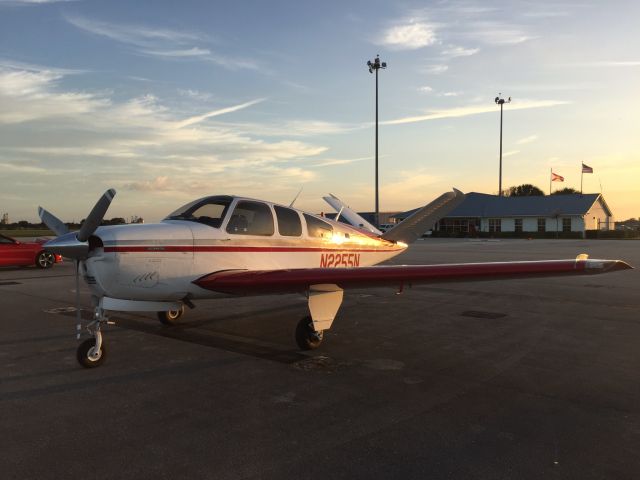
x,y
234,246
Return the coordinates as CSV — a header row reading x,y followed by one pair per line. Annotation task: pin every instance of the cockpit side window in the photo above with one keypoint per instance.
x,y
317,228
210,211
251,218
289,224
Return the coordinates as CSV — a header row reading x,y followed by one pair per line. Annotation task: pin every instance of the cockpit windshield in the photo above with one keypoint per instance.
x,y
208,210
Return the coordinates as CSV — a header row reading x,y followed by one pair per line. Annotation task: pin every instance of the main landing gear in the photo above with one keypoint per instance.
x,y
91,353
324,302
171,317
307,337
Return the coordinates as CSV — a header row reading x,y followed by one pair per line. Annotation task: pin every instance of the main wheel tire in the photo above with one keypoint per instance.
x,y
306,337
45,259
87,357
171,317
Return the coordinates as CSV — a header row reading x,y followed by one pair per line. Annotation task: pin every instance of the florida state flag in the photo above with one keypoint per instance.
x,y
556,178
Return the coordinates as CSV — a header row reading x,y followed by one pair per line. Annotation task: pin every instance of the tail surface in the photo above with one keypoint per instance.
x,y
413,227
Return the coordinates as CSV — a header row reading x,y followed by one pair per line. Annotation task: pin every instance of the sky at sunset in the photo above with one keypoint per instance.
x,y
170,101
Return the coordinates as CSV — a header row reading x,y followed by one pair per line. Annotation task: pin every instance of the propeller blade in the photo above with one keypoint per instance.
x,y
53,222
92,222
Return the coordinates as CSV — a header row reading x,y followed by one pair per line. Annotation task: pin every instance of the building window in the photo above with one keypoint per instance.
x,y
495,225
566,224
458,225
518,225
542,225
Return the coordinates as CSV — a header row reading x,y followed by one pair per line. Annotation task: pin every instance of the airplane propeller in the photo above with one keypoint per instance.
x,y
74,245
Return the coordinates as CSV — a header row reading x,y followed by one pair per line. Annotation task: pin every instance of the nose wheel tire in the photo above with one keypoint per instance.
x,y
87,355
45,260
171,317
306,337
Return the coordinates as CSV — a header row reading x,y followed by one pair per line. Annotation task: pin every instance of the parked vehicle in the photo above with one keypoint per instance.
x,y
15,253
386,226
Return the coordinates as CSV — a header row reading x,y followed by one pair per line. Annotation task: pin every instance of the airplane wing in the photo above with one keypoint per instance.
x,y
252,282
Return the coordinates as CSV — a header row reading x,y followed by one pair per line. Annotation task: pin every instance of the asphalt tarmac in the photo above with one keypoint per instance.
x,y
535,378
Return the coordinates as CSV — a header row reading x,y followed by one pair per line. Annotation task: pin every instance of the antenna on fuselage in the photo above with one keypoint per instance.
x,y
338,216
296,197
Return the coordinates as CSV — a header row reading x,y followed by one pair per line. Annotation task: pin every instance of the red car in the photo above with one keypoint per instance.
x,y
14,253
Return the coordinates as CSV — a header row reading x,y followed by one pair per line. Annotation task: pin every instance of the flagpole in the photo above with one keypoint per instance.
x,y
550,177
581,175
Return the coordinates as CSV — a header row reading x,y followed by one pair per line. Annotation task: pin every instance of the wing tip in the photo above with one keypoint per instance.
x,y
622,265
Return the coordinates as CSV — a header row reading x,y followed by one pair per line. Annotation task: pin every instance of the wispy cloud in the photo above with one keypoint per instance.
x,y
496,33
194,94
455,23
216,113
409,36
139,35
610,63
525,140
297,128
546,13
161,183
8,64
188,52
330,162
31,2
318,127
162,43
455,51
125,143
29,95
473,110
202,54
17,167
435,69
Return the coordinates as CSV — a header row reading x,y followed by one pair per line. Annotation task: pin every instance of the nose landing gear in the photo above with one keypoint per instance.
x,y
88,355
91,353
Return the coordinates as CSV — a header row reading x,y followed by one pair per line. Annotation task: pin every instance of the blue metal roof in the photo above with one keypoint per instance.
x,y
483,205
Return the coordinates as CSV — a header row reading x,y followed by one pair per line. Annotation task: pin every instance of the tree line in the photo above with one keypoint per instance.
x,y
529,190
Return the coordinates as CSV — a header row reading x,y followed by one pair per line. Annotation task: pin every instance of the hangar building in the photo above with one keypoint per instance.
x,y
480,212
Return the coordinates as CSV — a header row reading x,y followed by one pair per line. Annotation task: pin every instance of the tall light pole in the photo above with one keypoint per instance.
x,y
501,101
375,66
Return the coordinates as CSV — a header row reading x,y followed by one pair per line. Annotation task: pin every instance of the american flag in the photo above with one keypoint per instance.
x,y
556,178
586,169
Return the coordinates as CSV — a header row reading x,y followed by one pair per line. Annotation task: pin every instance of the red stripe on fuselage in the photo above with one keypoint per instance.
x,y
170,248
